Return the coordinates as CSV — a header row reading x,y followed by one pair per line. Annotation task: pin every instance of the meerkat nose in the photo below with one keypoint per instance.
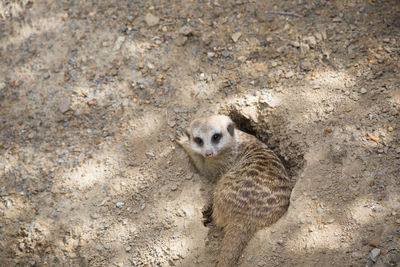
x,y
209,154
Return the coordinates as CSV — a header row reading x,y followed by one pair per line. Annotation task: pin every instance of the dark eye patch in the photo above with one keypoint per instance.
x,y
216,137
198,141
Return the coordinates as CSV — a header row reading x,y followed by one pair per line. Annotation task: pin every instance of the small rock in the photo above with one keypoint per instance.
x,y
236,36
374,243
289,74
180,40
119,204
304,48
21,246
117,45
250,257
310,40
210,54
363,90
398,150
390,129
281,242
94,216
128,248
64,106
150,154
151,20
177,234
311,229
319,210
186,30
306,66
2,85
374,254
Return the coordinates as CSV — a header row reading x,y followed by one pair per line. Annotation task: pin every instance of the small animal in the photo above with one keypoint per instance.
x,y
252,187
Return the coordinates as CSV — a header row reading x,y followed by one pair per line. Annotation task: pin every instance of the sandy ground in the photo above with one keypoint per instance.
x,y
93,93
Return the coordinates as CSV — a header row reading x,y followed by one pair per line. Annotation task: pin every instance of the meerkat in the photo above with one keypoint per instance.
x,y
252,186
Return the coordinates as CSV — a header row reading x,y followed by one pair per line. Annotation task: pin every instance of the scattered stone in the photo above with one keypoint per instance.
x,y
65,105
186,30
94,216
120,204
236,36
180,40
250,257
374,254
150,154
363,90
306,65
390,129
117,45
210,54
151,20
128,248
310,40
304,48
374,243
289,74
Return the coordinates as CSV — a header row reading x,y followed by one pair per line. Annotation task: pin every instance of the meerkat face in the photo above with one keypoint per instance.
x,y
212,135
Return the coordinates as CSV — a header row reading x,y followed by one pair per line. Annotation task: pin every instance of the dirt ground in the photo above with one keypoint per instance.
x,y
93,94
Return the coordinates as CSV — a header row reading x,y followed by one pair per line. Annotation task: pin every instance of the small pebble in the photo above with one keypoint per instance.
x,y
363,90
64,106
151,20
94,216
289,74
319,210
236,36
119,204
374,254
117,45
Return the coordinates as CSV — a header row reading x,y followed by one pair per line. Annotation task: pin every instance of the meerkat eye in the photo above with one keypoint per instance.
x,y
216,137
198,141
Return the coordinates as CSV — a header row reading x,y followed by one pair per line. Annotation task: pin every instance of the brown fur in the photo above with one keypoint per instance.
x,y
252,190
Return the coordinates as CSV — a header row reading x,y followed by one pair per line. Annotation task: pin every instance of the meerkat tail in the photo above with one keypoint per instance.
x,y
235,240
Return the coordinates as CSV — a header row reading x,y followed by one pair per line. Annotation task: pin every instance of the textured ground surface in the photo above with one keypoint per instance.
x,y
93,93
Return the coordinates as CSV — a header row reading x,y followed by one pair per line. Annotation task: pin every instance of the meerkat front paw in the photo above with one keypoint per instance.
x,y
182,139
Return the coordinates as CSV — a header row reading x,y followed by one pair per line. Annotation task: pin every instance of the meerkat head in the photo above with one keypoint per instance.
x,y
210,136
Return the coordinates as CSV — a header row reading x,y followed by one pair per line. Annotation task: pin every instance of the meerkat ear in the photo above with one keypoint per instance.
x,y
231,128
